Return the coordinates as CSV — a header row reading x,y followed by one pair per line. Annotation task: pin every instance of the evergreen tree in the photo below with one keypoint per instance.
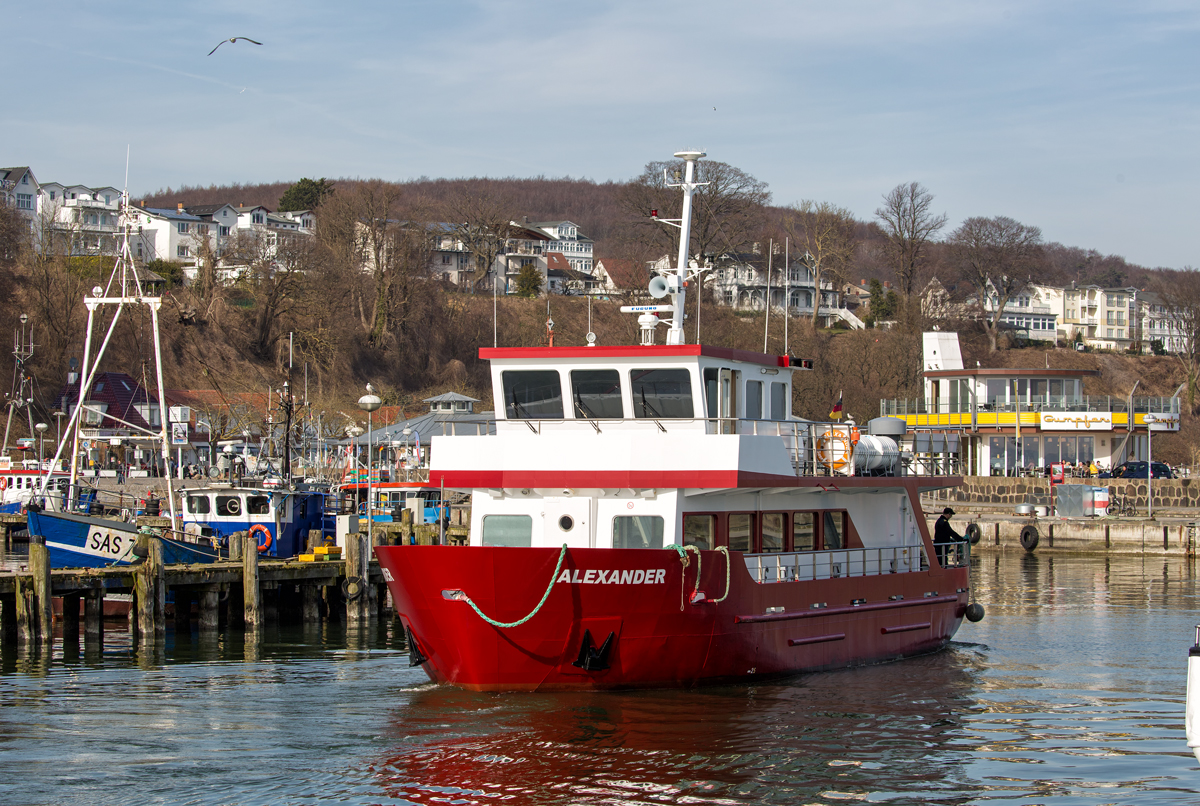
x,y
529,282
307,194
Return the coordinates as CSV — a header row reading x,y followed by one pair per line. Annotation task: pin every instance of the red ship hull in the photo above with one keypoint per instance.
x,y
659,638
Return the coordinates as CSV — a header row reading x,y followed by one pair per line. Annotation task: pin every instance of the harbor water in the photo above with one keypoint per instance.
x,y
1070,691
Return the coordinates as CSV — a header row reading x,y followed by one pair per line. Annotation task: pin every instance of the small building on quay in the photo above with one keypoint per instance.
x,y
1020,421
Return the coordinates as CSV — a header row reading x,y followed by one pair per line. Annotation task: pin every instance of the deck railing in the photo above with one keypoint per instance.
x,y
803,566
814,448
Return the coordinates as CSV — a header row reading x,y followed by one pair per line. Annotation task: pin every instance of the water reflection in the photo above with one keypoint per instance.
x,y
1069,692
826,733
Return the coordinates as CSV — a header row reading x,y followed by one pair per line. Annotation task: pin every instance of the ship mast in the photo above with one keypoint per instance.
x,y
672,282
123,288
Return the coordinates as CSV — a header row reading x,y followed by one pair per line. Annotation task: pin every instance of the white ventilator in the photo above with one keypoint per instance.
x,y
1192,710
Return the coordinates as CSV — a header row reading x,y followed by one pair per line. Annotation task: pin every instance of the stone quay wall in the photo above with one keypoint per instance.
x,y
1000,493
1173,537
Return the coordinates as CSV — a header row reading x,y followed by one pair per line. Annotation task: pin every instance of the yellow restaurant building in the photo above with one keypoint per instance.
x,y
1018,421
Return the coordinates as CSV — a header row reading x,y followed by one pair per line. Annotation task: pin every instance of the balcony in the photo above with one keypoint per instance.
x,y
1085,403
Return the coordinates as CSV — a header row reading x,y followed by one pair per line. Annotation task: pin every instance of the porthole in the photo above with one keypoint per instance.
x,y
566,522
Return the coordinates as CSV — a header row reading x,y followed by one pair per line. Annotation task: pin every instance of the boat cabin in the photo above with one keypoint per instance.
x,y
286,515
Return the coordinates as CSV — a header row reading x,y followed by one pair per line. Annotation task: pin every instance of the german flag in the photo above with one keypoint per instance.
x,y
836,414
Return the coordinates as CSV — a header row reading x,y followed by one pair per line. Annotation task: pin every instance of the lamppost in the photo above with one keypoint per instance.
x,y
41,429
369,402
407,458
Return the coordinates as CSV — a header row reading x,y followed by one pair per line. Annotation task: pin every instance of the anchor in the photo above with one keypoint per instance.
x,y
415,658
591,659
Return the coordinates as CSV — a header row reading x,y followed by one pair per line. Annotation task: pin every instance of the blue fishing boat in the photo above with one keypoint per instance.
x,y
278,517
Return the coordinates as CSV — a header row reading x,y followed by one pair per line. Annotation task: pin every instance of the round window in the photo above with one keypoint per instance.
x,y
565,523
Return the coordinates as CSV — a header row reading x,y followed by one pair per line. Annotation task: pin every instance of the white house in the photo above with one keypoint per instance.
x,y
78,220
19,187
566,238
165,234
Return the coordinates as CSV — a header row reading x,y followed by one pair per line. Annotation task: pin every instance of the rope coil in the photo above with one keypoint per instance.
x,y
504,625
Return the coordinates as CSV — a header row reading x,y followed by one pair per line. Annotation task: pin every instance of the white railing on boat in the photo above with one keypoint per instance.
x,y
803,566
815,448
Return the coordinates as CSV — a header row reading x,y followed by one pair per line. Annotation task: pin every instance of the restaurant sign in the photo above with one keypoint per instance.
x,y
1076,421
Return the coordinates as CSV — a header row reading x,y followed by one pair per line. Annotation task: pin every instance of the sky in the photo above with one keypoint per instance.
x,y
1080,118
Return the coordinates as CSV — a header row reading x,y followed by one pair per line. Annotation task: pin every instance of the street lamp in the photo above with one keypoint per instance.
x,y
369,402
41,429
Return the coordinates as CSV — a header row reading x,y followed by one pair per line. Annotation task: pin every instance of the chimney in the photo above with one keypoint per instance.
x,y
180,206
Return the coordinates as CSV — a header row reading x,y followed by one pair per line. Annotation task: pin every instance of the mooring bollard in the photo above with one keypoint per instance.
x,y
354,587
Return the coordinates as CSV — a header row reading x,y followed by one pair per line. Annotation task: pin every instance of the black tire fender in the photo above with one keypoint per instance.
x,y
974,612
1029,537
352,588
974,533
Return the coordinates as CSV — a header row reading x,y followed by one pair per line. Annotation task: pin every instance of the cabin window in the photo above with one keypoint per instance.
x,y
229,505
258,504
508,530
741,531
772,531
779,407
754,400
199,504
638,532
700,531
596,394
532,395
662,393
803,531
835,529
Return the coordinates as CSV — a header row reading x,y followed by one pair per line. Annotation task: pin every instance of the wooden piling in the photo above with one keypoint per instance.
x,y
93,616
70,616
39,567
251,597
311,603
210,610
358,556
24,610
315,538
151,594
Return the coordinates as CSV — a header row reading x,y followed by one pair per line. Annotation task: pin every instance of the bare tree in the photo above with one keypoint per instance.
x,y
481,220
1180,291
909,223
998,257
827,234
275,266
726,211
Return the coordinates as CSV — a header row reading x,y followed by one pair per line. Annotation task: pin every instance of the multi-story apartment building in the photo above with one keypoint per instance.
x,y
1032,313
567,239
740,280
77,220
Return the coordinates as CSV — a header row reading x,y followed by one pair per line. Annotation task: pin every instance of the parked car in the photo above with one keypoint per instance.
x,y
1141,470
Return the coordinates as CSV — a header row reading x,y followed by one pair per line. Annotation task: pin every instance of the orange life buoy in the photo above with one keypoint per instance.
x,y
3,483
833,449
264,540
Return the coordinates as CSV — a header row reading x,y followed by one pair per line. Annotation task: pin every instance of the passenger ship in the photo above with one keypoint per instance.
x,y
654,515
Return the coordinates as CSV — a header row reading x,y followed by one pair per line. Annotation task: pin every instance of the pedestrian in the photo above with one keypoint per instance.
x,y
944,536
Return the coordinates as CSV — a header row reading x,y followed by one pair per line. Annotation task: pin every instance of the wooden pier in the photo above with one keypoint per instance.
x,y
248,591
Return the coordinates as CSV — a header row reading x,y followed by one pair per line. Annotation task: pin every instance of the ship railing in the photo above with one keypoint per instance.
x,y
804,566
814,448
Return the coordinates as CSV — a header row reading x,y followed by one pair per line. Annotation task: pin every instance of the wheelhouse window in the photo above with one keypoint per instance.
x,y
741,531
596,394
258,504
700,531
638,532
779,410
199,504
229,505
508,530
662,394
532,395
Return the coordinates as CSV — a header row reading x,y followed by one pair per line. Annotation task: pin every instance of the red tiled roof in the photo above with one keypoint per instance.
x,y
627,275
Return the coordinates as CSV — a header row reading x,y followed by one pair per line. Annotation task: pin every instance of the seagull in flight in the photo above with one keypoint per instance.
x,y
234,39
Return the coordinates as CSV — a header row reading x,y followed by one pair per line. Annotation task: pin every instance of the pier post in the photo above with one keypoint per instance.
x,y
150,585
39,566
358,555
236,541
8,620
315,538
24,610
70,616
311,604
93,616
183,610
210,612
251,596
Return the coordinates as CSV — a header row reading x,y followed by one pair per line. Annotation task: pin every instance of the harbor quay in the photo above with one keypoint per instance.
x,y
1018,514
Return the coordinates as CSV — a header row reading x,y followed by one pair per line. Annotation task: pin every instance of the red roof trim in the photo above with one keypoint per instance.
x,y
633,351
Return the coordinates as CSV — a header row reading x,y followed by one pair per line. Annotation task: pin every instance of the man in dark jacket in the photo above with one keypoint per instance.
x,y
944,535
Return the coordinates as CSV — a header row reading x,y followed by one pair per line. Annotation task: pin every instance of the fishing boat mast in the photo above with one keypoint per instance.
x,y
123,288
